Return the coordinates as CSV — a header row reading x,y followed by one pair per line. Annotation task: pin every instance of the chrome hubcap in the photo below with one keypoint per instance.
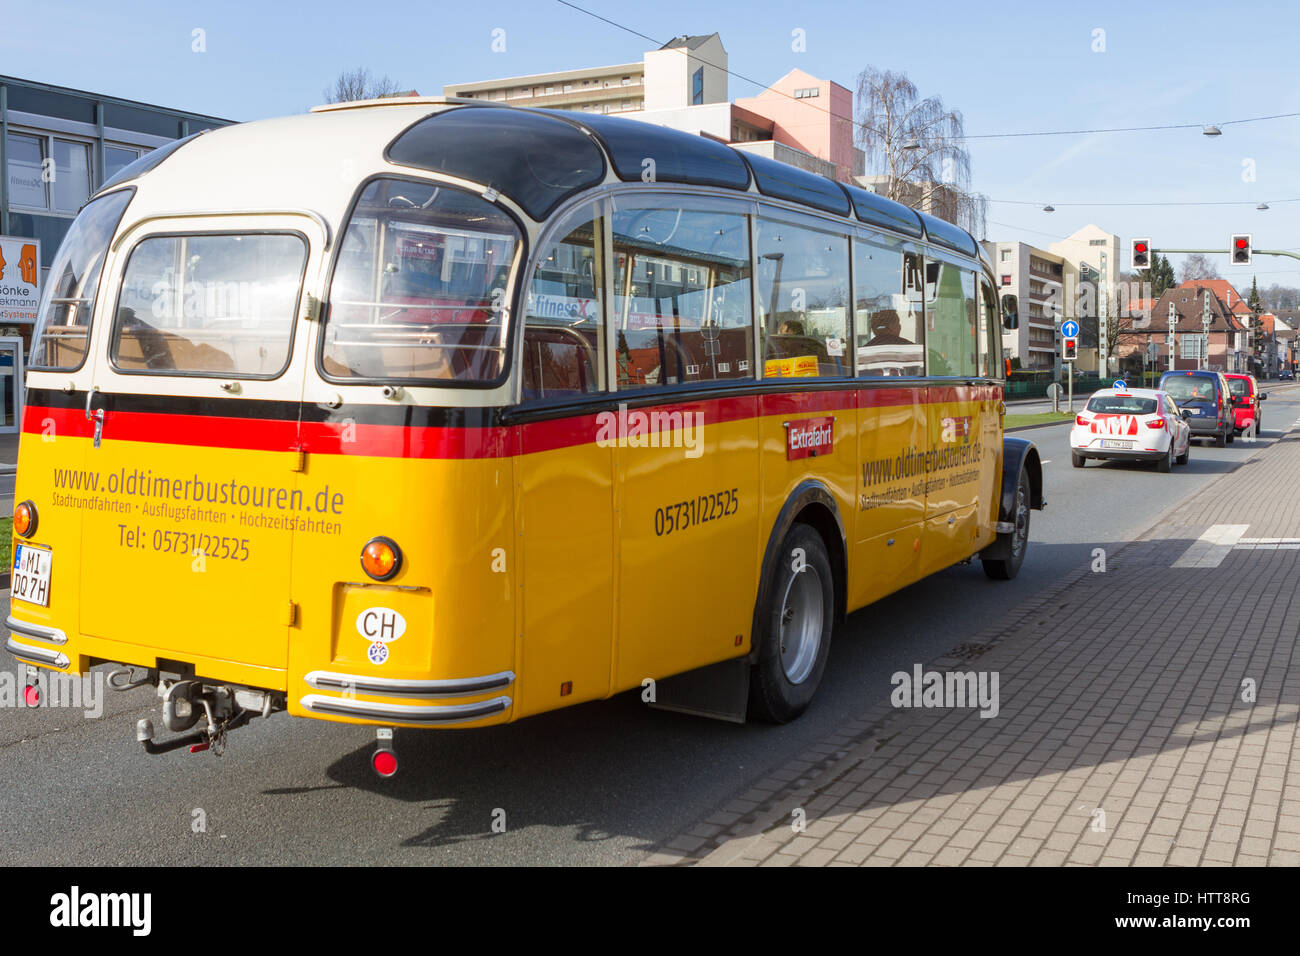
x,y
801,624
1022,521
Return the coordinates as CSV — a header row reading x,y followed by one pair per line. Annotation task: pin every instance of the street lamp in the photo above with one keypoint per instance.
x,y
1212,131
1049,208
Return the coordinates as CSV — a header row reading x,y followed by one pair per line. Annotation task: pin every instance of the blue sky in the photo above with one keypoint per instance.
x,y
1008,68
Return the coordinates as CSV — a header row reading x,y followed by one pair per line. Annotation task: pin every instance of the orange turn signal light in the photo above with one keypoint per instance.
x,y
25,519
381,558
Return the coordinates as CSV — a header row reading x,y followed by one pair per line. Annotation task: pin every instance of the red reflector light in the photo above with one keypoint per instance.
x,y
384,762
32,695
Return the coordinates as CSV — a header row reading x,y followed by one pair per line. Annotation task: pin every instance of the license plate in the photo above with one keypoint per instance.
x,y
1116,444
1195,411
31,580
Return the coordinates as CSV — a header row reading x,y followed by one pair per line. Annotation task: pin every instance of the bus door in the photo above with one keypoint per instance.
x,y
687,471
893,415
990,371
564,473
957,414
194,406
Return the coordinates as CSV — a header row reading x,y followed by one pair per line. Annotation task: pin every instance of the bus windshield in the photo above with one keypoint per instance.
x,y
421,288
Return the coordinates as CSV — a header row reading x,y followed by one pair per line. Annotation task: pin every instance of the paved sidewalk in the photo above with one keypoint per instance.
x,y
1127,733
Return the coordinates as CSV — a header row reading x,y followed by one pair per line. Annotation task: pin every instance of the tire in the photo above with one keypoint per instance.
x,y
1182,459
1004,569
1077,460
1220,440
1231,436
796,625
1166,464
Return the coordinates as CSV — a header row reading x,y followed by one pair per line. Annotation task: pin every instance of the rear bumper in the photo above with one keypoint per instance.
x,y
390,698
1214,427
46,646
1121,454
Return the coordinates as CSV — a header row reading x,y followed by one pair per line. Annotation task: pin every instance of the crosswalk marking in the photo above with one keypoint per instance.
x,y
1209,550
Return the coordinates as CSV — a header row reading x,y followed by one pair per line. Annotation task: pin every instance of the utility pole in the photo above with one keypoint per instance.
x,y
1173,323
1205,324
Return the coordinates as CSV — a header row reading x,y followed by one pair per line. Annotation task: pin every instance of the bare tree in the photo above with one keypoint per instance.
x,y
1196,266
358,84
918,146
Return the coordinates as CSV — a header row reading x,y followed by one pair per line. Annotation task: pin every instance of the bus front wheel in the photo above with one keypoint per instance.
x,y
796,622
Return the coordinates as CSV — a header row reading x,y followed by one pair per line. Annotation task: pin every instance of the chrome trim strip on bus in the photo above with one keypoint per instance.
x,y
35,655
405,713
37,632
287,212
396,687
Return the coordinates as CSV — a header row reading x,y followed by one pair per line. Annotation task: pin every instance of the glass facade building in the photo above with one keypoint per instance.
x,y
58,145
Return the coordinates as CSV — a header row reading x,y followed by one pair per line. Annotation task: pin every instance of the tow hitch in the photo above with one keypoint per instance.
x,y
221,708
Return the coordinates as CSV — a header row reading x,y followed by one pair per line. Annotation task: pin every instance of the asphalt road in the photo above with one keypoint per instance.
x,y
600,783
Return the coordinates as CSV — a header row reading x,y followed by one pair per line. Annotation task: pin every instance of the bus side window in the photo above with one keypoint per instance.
x,y
564,325
803,290
889,325
952,344
682,305
990,333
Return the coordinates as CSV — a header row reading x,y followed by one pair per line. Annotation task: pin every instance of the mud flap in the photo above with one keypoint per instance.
x,y
720,691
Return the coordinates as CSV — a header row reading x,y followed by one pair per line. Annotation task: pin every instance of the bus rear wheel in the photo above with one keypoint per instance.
x,y
795,629
1004,569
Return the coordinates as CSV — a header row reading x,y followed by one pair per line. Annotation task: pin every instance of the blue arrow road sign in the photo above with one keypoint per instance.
x,y
1070,329
1120,383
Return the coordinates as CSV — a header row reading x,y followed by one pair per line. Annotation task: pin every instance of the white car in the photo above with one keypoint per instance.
x,y
1131,424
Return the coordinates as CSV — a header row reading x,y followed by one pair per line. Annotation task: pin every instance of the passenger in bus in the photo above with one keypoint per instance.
x,y
885,329
791,327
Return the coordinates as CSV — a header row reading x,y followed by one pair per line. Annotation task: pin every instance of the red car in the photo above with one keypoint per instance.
x,y
1246,397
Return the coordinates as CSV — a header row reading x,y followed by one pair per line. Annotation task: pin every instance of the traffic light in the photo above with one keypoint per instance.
x,y
1239,250
1141,254
1069,350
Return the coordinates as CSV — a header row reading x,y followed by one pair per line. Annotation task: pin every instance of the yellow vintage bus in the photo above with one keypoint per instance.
x,y
426,413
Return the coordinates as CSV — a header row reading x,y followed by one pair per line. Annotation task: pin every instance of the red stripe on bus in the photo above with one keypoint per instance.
x,y
435,442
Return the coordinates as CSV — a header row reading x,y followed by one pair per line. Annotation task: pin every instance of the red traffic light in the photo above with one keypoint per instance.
x,y
1241,242
1140,247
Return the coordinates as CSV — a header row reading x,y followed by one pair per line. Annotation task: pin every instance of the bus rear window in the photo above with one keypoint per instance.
x,y
209,305
421,288
63,328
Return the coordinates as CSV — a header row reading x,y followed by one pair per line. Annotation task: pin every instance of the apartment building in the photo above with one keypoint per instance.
x,y
1036,277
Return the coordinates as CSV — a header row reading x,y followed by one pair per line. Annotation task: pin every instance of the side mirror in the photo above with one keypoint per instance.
x,y
1263,395
1186,413
1010,312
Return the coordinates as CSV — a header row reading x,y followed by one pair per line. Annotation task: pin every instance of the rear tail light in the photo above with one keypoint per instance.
x,y
381,558
1080,420
1156,423
25,519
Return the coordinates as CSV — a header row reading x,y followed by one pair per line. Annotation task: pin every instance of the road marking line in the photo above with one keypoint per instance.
x,y
1209,550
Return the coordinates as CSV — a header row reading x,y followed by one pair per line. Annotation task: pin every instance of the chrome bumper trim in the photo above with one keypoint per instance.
x,y
395,687
405,713
36,632
36,655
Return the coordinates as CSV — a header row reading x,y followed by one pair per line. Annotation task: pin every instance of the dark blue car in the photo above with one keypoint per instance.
x,y
1205,401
